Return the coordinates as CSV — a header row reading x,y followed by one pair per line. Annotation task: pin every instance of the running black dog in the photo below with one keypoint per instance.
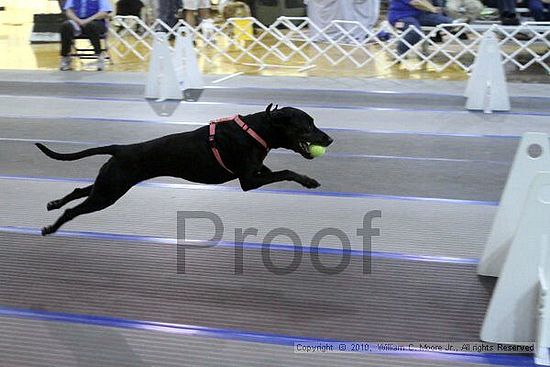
x,y
222,151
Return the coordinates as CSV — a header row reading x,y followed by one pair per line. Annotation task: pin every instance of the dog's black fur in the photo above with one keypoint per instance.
x,y
188,155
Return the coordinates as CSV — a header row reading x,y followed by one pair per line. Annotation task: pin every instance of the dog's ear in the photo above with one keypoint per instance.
x,y
269,111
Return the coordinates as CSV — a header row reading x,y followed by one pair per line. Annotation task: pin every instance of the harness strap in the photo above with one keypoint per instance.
x,y
215,150
250,132
243,125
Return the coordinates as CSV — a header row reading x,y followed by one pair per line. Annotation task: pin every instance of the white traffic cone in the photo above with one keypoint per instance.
x,y
486,89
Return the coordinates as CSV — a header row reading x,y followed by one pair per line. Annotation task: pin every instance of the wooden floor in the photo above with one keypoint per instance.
x,y
18,53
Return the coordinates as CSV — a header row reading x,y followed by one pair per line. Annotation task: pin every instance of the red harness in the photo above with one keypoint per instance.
x,y
243,126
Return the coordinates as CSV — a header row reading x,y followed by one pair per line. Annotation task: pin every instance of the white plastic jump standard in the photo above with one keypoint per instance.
x,y
542,356
486,89
162,82
185,61
517,313
179,57
193,76
532,156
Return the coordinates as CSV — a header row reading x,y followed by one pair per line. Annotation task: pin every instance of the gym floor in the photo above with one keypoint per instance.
x,y
108,280
16,25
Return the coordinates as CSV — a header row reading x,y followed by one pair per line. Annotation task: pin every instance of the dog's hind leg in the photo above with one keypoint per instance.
x,y
93,203
110,185
76,194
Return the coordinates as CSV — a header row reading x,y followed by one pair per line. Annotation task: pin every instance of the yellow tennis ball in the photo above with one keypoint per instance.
x,y
316,150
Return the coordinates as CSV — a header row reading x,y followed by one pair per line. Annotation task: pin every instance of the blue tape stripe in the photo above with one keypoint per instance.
x,y
265,191
246,245
361,130
310,105
283,152
245,336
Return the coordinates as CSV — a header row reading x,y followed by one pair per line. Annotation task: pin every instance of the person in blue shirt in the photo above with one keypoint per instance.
x,y
403,14
87,17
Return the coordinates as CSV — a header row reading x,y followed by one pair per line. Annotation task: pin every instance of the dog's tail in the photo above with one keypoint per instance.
x,y
110,149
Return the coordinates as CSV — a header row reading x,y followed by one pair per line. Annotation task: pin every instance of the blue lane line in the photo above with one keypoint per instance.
x,y
285,152
193,123
245,245
246,336
310,105
355,195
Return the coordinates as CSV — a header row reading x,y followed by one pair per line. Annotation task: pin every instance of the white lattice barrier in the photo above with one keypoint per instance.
x,y
297,42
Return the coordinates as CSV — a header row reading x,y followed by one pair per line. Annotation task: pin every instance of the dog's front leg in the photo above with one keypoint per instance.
x,y
264,176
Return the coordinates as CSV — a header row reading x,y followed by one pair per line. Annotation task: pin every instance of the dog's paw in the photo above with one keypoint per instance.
x,y
47,230
309,182
52,205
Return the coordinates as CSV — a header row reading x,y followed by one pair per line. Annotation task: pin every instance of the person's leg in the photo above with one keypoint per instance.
x,y
93,31
204,8
433,19
166,13
204,13
537,10
190,17
67,35
412,36
190,6
207,25
507,10
172,10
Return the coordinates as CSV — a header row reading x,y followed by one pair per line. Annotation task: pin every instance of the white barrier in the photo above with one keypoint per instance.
x,y
518,311
162,81
518,252
487,90
297,42
532,156
542,354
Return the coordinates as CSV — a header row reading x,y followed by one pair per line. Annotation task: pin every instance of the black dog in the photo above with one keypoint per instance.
x,y
212,154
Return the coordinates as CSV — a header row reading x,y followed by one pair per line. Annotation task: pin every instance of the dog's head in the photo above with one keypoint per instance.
x,y
296,130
